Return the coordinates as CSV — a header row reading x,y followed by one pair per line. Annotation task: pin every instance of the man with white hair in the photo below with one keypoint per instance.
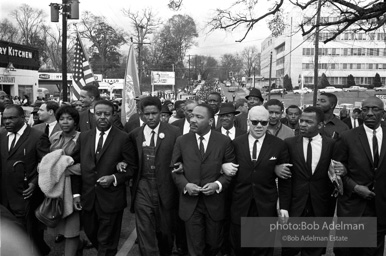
x,y
255,193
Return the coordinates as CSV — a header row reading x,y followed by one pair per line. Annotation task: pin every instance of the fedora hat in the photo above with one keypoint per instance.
x,y
228,108
165,109
255,93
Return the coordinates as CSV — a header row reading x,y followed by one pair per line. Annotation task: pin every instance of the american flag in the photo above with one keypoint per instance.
x,y
83,74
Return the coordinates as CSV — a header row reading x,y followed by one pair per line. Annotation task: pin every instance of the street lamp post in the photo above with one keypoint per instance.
x,y
70,10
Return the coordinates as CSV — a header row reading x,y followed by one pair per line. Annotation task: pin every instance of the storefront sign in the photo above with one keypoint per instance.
x,y
7,79
21,56
58,76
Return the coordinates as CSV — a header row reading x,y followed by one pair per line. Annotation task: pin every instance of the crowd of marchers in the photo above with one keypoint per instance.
x,y
193,175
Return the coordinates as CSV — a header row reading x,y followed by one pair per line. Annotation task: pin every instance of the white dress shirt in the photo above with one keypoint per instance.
x,y
11,135
232,132
259,144
147,133
354,122
98,135
51,127
186,127
316,145
370,133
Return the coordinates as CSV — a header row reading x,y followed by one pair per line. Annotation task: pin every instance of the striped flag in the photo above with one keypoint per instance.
x,y
83,74
130,87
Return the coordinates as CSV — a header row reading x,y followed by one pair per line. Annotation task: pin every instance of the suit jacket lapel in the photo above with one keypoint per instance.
x,y
108,141
365,143
383,147
209,147
322,153
245,149
140,139
20,141
92,136
159,140
193,139
264,149
4,145
299,145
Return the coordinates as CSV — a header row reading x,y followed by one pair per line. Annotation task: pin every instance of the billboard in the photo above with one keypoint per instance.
x,y
162,78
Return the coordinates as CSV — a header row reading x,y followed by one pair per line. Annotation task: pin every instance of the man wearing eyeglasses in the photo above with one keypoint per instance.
x,y
362,151
255,193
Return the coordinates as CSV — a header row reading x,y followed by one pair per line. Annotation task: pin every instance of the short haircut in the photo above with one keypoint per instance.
x,y
151,101
240,103
331,97
217,94
178,104
274,102
357,110
20,110
318,111
293,106
67,109
93,91
52,105
208,108
105,102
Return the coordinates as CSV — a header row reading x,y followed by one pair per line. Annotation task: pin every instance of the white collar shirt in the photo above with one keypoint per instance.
x,y
205,141
259,144
18,134
232,132
316,145
186,127
147,133
98,135
370,133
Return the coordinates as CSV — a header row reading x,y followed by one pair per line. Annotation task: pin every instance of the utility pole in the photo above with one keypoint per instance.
x,y
316,60
269,82
254,76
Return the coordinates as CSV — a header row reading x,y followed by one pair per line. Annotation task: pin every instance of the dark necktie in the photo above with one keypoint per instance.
x,y
254,151
100,144
47,130
152,144
309,155
355,123
13,142
375,149
228,133
202,149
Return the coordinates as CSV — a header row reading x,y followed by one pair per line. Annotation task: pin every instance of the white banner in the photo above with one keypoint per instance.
x,y
162,78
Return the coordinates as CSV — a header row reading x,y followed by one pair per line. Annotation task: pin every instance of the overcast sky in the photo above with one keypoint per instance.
x,y
214,44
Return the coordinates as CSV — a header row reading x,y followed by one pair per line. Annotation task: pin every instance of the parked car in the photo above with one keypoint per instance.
x,y
354,88
278,91
330,89
232,89
303,90
228,83
380,89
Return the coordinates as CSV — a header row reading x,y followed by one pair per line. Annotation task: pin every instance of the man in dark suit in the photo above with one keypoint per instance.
x,y
46,114
362,150
101,191
201,185
214,101
355,120
89,95
310,192
254,192
154,195
22,148
254,98
184,123
227,119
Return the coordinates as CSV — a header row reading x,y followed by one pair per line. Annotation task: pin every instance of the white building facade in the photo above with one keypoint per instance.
x,y
359,54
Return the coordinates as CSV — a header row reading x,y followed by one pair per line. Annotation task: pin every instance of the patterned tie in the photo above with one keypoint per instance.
x,y
152,144
13,142
202,149
228,133
309,155
375,149
254,151
100,144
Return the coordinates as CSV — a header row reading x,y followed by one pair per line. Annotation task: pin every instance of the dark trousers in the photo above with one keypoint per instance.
x,y
235,233
204,235
103,229
306,251
381,232
154,223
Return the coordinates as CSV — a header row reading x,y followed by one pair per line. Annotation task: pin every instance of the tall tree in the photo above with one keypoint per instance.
x,y
8,32
350,80
105,40
230,63
30,21
351,15
251,60
377,81
206,66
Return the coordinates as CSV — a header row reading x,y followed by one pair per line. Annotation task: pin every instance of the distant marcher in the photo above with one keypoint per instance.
x,y
355,120
165,114
26,101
